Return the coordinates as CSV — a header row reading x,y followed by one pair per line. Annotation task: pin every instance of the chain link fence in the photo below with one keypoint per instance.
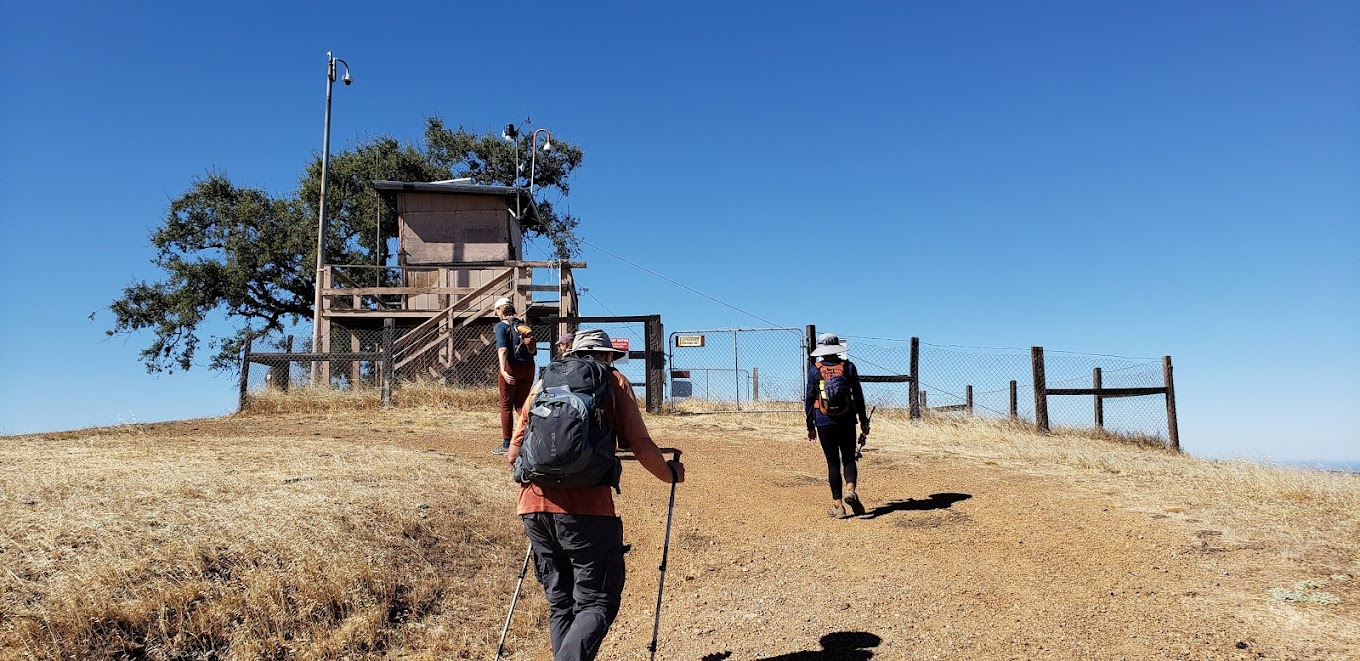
x,y
880,357
1139,416
947,372
443,354
743,370
635,366
737,369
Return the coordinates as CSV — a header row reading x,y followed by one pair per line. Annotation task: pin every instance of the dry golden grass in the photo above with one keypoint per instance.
x,y
408,394
134,543
127,545
1308,516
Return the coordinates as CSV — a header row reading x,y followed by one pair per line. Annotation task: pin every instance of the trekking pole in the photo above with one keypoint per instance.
x,y
522,571
665,551
864,436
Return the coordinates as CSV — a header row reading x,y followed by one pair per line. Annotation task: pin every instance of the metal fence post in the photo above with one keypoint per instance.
x,y
736,370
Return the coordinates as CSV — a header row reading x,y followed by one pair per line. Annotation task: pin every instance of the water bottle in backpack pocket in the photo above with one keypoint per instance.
x,y
834,397
569,440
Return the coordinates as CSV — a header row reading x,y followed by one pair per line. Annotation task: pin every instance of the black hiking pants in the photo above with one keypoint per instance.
x,y
838,445
579,561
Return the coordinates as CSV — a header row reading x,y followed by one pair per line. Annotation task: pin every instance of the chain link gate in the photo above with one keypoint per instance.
x,y
748,370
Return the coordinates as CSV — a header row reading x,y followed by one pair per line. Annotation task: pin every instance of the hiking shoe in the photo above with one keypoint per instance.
x,y
852,499
500,449
837,511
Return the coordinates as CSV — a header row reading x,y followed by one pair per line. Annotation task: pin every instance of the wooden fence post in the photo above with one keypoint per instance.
x,y
1015,402
968,399
280,375
914,394
387,368
1100,401
656,362
755,383
1172,432
1040,390
245,373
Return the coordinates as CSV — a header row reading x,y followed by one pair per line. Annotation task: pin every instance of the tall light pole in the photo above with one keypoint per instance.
x,y
533,153
321,214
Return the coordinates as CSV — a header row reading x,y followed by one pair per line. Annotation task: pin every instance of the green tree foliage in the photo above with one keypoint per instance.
x,y
250,257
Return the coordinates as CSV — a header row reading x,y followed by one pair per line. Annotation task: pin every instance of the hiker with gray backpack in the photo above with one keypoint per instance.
x,y
563,454
832,402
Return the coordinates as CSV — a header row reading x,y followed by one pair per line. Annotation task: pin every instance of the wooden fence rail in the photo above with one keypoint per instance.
x,y
383,359
1100,393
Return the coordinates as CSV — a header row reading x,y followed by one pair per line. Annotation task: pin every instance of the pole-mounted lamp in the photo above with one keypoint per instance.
x,y
533,153
321,214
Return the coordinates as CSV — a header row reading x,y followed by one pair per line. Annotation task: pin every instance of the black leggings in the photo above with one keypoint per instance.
x,y
838,444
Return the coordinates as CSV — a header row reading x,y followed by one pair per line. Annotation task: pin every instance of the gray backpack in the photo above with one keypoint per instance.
x,y
568,440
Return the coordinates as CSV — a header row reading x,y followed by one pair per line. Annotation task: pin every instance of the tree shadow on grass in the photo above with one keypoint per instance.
x,y
936,501
836,646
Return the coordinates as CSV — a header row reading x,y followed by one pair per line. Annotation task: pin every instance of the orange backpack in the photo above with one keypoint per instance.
x,y
834,396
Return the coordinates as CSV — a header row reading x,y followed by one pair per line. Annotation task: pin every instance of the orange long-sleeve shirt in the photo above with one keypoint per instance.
x,y
623,410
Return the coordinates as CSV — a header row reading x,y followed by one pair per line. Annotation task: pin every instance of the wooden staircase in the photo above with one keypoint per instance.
x,y
433,340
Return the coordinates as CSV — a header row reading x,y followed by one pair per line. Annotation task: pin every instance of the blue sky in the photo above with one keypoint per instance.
x,y
1140,179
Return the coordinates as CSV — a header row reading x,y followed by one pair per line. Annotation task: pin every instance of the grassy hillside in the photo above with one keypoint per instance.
x,y
320,527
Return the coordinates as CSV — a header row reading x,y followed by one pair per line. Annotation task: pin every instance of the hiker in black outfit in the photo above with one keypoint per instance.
x,y
832,402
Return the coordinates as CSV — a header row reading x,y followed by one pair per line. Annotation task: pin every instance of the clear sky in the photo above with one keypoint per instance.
x,y
1140,179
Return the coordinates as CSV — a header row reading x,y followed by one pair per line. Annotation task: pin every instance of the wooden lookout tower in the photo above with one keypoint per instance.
x,y
459,249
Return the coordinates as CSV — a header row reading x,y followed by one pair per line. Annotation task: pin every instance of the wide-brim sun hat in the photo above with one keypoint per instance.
x,y
593,340
828,344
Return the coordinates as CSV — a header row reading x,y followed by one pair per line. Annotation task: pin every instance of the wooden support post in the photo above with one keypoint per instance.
x,y
968,399
1172,433
280,374
566,293
1040,390
755,384
245,373
387,366
1015,402
915,398
1100,401
924,406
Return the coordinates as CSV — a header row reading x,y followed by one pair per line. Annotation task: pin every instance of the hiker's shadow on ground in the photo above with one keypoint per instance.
x,y
936,501
837,646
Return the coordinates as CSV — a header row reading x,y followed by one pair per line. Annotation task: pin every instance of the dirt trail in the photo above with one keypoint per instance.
x,y
957,558
953,560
